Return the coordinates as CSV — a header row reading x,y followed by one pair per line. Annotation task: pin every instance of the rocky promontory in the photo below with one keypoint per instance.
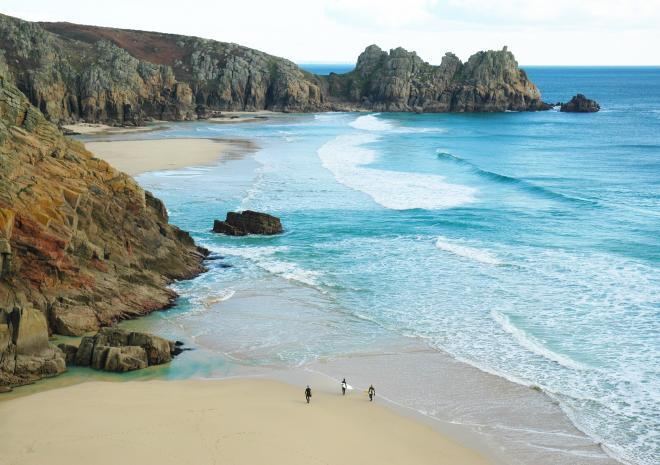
x,y
402,81
248,222
81,244
73,72
580,104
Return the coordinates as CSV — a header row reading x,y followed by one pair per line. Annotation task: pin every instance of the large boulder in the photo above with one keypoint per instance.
x,y
248,222
25,353
73,320
113,349
580,104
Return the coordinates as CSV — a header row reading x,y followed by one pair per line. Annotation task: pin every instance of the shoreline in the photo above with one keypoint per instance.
x,y
241,421
399,407
136,157
84,129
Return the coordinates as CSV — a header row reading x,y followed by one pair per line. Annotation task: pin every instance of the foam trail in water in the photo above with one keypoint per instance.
x,y
375,124
530,343
264,259
464,251
346,157
371,123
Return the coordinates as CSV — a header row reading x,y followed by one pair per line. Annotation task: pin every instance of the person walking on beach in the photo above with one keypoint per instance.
x,y
372,393
308,393
344,385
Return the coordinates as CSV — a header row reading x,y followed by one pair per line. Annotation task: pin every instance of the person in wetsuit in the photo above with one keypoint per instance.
x,y
308,394
344,385
372,393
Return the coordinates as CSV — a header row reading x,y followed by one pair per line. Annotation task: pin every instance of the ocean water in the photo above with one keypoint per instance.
x,y
323,69
526,245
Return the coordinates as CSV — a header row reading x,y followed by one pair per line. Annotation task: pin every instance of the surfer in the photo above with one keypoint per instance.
x,y
344,385
372,393
308,393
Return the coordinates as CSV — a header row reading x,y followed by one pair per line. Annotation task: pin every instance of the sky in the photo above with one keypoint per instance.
x,y
538,32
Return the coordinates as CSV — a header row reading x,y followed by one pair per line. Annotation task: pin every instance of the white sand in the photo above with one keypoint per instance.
x,y
140,156
231,422
97,128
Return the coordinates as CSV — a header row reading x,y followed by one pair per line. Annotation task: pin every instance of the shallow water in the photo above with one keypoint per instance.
x,y
525,244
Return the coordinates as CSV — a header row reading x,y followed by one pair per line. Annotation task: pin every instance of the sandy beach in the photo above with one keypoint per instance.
x,y
139,156
98,128
238,421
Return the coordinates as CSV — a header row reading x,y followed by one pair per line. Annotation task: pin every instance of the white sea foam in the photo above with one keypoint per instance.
x,y
211,300
346,157
263,257
465,251
371,123
530,343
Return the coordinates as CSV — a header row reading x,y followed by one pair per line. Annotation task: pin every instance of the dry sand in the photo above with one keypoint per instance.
x,y
233,422
140,156
97,128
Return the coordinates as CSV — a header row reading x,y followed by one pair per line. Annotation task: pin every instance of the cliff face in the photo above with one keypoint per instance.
x,y
118,76
401,81
73,72
81,244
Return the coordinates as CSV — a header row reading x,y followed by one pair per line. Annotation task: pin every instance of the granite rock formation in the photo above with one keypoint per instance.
x,y
75,72
248,222
117,350
81,244
580,104
402,81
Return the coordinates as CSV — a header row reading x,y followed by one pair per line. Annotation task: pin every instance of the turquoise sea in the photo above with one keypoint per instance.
x,y
418,247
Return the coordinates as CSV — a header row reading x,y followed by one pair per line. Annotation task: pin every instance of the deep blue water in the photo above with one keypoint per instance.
x,y
527,244
325,69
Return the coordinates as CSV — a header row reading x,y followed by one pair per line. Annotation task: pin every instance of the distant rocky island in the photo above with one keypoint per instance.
x,y
102,75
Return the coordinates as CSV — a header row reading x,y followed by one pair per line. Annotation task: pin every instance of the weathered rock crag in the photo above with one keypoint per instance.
x,y
580,104
248,222
75,72
402,81
117,350
81,244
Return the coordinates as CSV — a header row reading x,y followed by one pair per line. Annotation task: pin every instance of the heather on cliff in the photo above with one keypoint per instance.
x,y
81,244
75,72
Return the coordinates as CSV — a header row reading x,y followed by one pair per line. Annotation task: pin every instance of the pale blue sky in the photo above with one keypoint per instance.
x,y
539,32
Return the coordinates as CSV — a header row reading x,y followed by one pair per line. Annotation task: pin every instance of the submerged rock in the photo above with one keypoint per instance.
x,y
113,349
248,222
580,104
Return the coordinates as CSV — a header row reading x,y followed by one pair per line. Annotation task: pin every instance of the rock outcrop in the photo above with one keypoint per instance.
x,y
402,81
113,349
75,72
248,222
580,104
25,353
81,244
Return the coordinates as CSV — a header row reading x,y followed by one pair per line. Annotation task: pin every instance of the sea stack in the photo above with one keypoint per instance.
x,y
580,104
248,222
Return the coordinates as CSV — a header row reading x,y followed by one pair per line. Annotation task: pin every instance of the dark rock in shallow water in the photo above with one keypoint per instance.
x,y
580,104
113,349
248,222
69,353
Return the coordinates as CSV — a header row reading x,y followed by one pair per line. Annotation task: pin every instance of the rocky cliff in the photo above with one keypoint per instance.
x,y
402,81
72,72
81,244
